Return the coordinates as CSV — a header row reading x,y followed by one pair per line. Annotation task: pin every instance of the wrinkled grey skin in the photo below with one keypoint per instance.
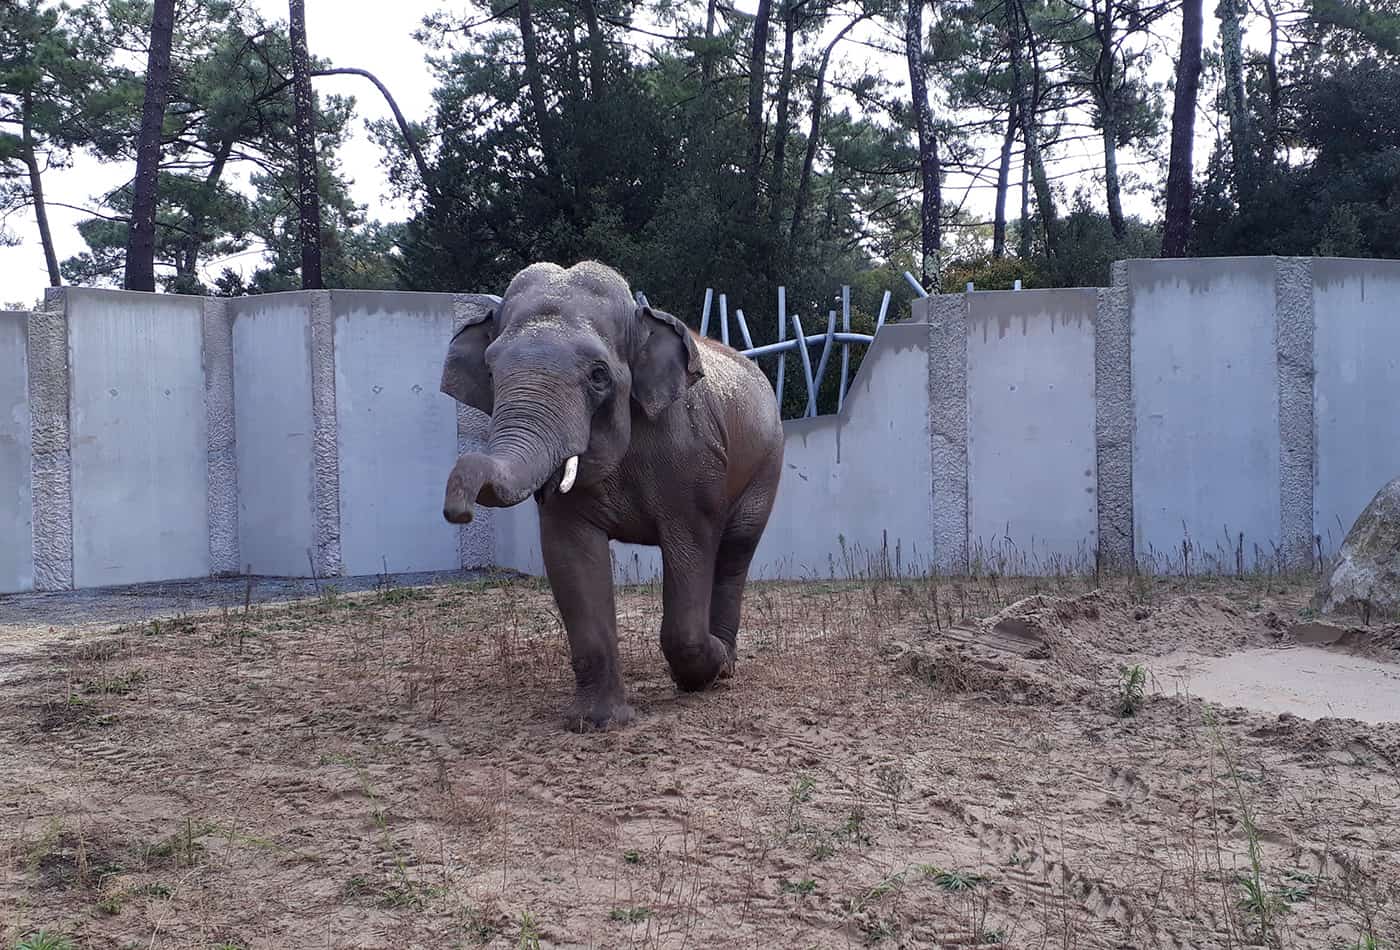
x,y
680,445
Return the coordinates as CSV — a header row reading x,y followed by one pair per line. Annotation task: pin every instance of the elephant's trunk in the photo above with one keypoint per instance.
x,y
532,437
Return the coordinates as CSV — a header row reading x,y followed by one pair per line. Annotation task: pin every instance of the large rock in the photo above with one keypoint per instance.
x,y
1366,576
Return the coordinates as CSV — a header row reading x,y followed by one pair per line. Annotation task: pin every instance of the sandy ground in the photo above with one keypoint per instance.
x,y
931,764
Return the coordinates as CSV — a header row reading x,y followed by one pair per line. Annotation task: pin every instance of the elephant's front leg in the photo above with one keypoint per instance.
x,y
697,658
579,565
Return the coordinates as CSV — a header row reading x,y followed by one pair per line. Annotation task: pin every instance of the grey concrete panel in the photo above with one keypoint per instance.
x,y
1357,389
854,498
275,432
947,427
1293,301
51,467
139,437
397,433
16,457
1113,404
1031,430
222,451
1206,410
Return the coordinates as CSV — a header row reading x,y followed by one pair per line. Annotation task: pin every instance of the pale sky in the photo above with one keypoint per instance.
x,y
377,36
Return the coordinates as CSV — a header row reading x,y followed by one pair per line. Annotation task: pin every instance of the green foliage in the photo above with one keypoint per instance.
x,y
231,111
1132,690
43,940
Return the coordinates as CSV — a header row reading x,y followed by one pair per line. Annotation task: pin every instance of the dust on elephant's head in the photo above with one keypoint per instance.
x,y
559,364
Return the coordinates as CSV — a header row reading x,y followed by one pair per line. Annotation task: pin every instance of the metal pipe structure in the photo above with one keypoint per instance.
x,y
782,335
845,347
723,320
705,313
821,364
788,346
743,328
884,306
801,341
918,289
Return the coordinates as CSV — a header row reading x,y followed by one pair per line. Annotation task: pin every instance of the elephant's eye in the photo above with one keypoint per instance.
x,y
600,377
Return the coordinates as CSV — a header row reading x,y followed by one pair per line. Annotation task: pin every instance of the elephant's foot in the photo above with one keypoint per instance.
x,y
590,712
697,666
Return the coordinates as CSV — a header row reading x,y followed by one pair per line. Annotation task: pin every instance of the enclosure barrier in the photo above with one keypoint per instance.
x,y
1198,415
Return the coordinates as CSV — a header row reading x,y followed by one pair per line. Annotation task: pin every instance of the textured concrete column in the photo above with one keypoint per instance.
x,y
475,541
223,458
1293,335
324,446
947,395
1113,423
51,466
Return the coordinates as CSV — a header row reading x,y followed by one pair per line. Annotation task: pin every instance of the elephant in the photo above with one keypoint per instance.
x,y
625,425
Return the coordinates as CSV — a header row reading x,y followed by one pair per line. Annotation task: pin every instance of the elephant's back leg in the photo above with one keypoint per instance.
x,y
742,534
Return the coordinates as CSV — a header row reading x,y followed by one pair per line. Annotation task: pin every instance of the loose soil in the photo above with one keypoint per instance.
x,y
940,763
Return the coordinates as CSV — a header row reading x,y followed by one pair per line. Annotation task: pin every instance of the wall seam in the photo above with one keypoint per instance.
x,y
224,548
1294,332
325,444
51,464
1113,423
948,415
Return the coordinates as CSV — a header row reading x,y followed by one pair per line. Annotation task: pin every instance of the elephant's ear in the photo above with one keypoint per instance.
x,y
464,374
667,361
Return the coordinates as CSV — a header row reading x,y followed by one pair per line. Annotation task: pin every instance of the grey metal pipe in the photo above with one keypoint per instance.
x,y
705,313
821,364
801,340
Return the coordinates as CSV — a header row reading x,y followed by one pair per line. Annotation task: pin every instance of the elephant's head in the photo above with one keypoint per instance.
x,y
559,365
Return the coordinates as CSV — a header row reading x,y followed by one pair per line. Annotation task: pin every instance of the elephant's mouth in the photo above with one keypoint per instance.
x,y
561,481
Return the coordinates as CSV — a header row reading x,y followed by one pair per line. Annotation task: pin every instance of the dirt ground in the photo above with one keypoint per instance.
x,y
939,763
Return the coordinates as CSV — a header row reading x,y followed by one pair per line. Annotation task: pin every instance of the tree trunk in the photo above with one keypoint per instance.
x,y
308,190
1028,97
1236,108
36,195
1110,174
141,234
596,49
756,76
931,208
707,58
1108,117
804,181
1176,230
1003,180
1271,135
534,77
185,271
1024,244
781,132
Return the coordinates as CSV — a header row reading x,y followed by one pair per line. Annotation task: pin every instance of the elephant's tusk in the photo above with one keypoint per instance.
x,y
570,473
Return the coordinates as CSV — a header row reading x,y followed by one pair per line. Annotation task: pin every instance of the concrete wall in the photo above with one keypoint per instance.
x,y
1357,388
274,432
1031,429
138,437
151,437
854,496
397,434
1206,407
16,518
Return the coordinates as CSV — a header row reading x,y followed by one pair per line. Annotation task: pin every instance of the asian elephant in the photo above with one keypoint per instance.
x,y
625,425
